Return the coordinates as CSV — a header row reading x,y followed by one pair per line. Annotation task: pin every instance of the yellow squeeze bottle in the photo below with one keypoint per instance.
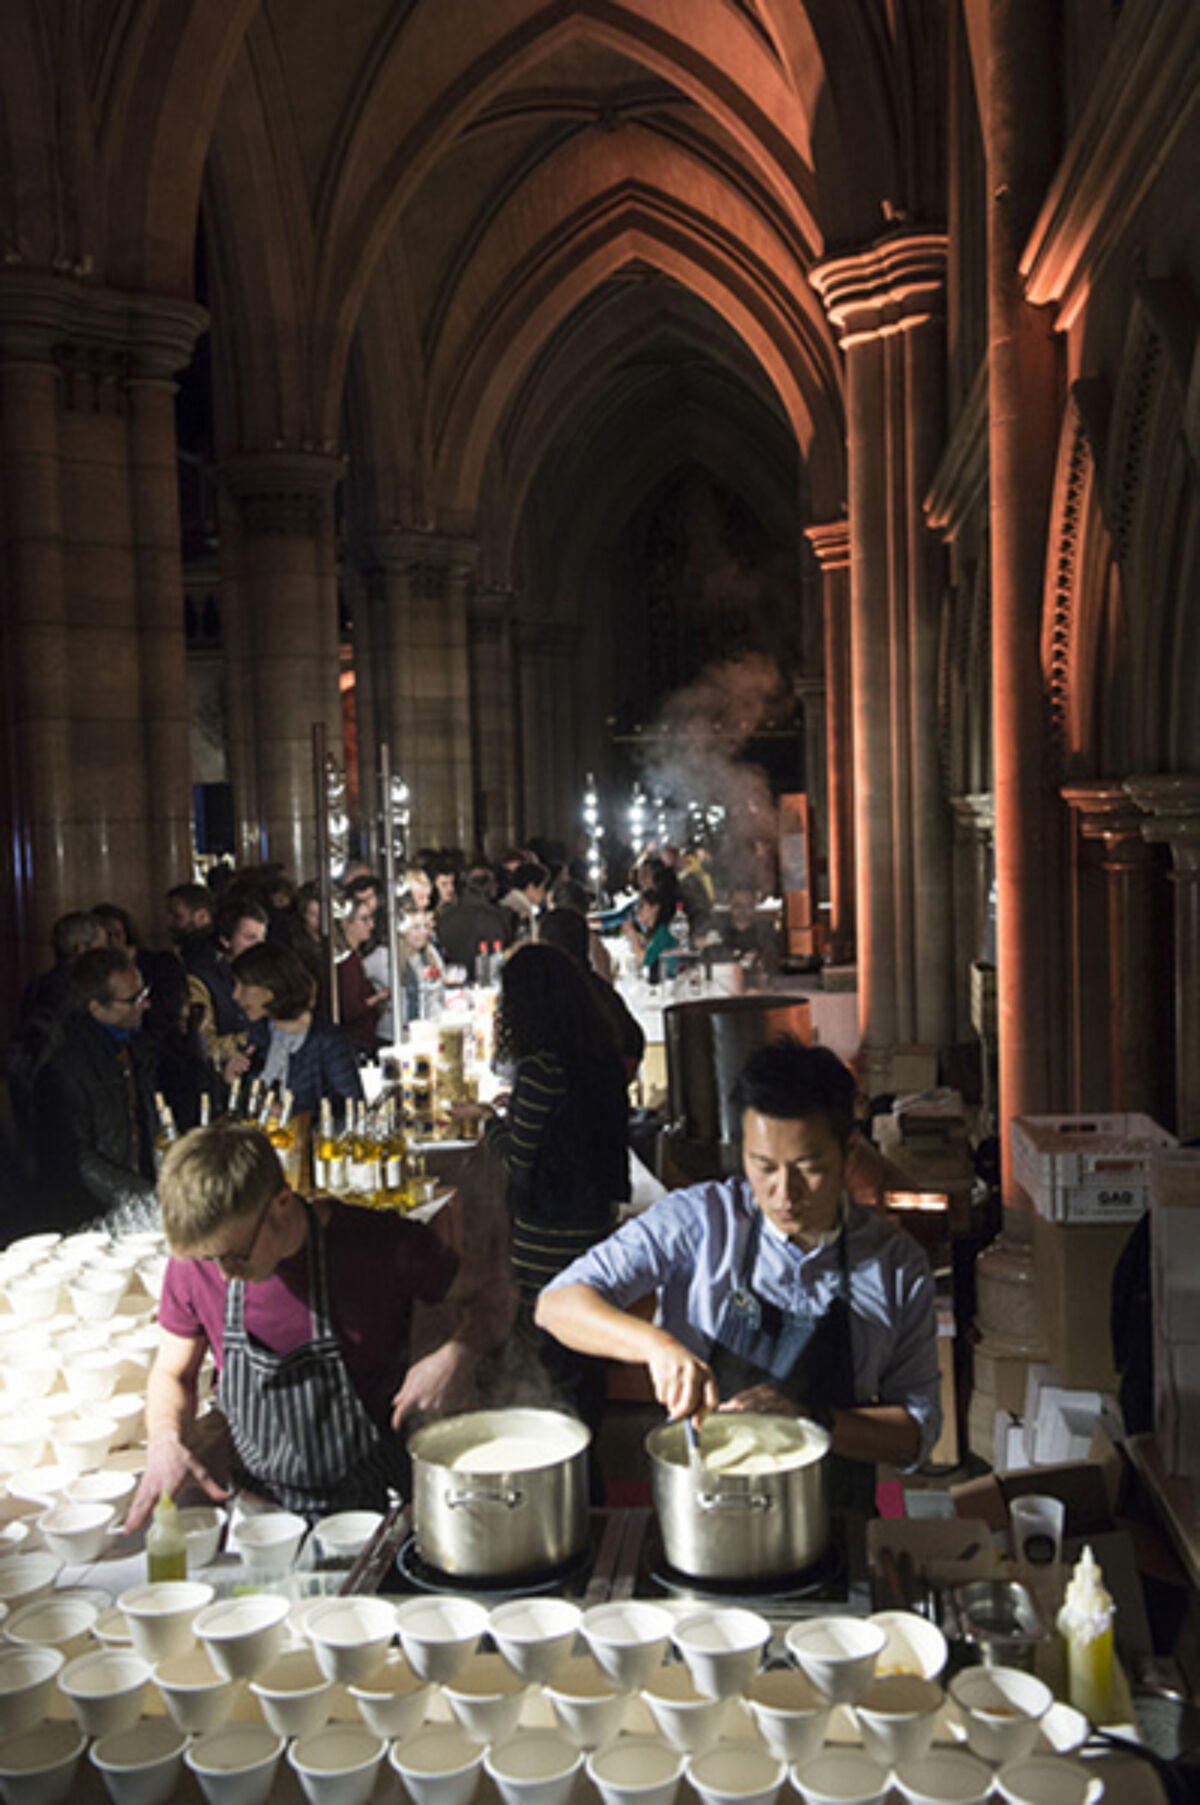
x,y
1085,1624
166,1549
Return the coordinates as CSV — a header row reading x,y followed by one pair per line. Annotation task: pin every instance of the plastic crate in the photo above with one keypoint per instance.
x,y
1087,1168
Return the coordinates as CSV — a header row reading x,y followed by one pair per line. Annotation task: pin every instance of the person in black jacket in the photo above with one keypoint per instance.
x,y
471,922
93,1099
311,1058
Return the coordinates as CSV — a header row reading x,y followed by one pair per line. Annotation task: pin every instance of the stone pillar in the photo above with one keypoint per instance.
x,y
1114,1005
831,546
1020,128
974,827
1173,805
362,592
493,718
887,304
279,606
91,616
552,781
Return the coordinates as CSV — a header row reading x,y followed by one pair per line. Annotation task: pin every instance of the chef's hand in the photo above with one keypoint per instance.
x,y
442,1381
171,1468
764,1400
683,1385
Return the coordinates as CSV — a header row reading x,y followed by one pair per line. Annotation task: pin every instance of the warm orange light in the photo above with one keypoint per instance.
x,y
927,1201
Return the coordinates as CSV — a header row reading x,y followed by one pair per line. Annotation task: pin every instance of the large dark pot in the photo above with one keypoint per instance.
x,y
755,1526
500,1492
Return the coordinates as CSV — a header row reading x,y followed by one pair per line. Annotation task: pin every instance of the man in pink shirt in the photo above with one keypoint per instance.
x,y
307,1306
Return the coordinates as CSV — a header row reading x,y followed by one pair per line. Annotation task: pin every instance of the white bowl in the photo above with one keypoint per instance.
x,y
268,1541
14,1535
1002,1709
35,1295
537,1767
27,1677
914,1645
437,1634
141,1766
101,1488
96,1291
486,1697
44,1485
337,1765
897,1715
790,1713
944,1777
28,1248
236,1764
70,1343
63,1621
535,1634
636,1770
344,1535
29,1375
722,1645
161,1616
92,1378
243,1635
152,1273
129,1414
295,1696
1047,1780
79,1443
203,1526
197,1697
394,1700
105,1690
588,1705
24,1577
350,1636
111,1629
686,1718
439,1765
37,1766
842,1776
22,1439
838,1654
77,1533
736,1773
628,1639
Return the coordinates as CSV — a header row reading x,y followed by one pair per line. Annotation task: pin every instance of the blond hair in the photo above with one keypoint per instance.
x,y
214,1176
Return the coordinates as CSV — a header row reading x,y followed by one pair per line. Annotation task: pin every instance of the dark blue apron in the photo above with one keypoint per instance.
x,y
808,1355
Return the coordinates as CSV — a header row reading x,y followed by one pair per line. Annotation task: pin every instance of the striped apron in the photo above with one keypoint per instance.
x,y
301,1433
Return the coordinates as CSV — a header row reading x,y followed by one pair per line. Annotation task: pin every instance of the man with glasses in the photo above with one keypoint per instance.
x,y
93,1100
308,1308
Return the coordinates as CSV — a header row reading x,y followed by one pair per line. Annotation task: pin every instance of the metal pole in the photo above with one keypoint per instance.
x,y
389,878
324,875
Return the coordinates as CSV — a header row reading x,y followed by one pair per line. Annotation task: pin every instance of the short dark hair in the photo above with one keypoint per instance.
x,y
569,893
72,934
787,1081
568,931
105,912
93,972
531,874
237,905
276,968
193,896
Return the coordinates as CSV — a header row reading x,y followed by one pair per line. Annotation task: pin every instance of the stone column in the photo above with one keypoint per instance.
x,y
279,604
1020,129
1173,805
1114,1008
493,718
831,546
974,828
553,782
362,588
887,304
92,642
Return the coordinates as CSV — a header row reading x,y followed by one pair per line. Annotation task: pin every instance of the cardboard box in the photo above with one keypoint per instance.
x,y
1086,1168
1073,1266
1088,1488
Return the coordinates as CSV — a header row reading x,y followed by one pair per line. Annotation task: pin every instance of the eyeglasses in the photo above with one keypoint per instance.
x,y
133,1002
241,1257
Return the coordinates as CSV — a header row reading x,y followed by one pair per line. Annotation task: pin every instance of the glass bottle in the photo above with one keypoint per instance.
x,y
166,1548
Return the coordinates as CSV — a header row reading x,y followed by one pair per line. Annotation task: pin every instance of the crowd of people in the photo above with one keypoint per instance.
x,y
124,1080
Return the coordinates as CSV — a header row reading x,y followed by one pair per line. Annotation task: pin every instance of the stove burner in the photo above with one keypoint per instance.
x,y
823,1578
492,1587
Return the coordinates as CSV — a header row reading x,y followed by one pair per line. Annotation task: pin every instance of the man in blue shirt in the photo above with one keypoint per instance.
x,y
775,1292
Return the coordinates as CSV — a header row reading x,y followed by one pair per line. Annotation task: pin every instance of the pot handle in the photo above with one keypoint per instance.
x,y
510,1498
733,1501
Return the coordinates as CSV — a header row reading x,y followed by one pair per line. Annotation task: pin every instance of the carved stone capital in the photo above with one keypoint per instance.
x,y
974,812
101,340
282,494
1171,805
830,540
893,286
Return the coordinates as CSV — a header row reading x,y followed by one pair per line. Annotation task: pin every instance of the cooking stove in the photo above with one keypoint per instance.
x,y
624,1558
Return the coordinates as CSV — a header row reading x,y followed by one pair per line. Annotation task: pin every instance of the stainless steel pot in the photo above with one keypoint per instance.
x,y
734,1526
522,1517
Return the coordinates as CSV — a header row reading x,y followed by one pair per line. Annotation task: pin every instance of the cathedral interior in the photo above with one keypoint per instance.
x,y
472,378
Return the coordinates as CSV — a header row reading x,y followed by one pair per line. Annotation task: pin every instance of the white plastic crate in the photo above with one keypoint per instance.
x,y
1086,1168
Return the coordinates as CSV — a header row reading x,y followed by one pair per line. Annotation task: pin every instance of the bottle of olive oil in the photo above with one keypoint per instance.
x,y
166,1549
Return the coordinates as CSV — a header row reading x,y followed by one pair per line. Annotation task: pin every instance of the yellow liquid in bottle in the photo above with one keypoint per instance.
x,y
167,1563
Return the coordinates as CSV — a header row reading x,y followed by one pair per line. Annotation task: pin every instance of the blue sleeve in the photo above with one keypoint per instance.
x,y
651,1252
911,1377
339,1068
